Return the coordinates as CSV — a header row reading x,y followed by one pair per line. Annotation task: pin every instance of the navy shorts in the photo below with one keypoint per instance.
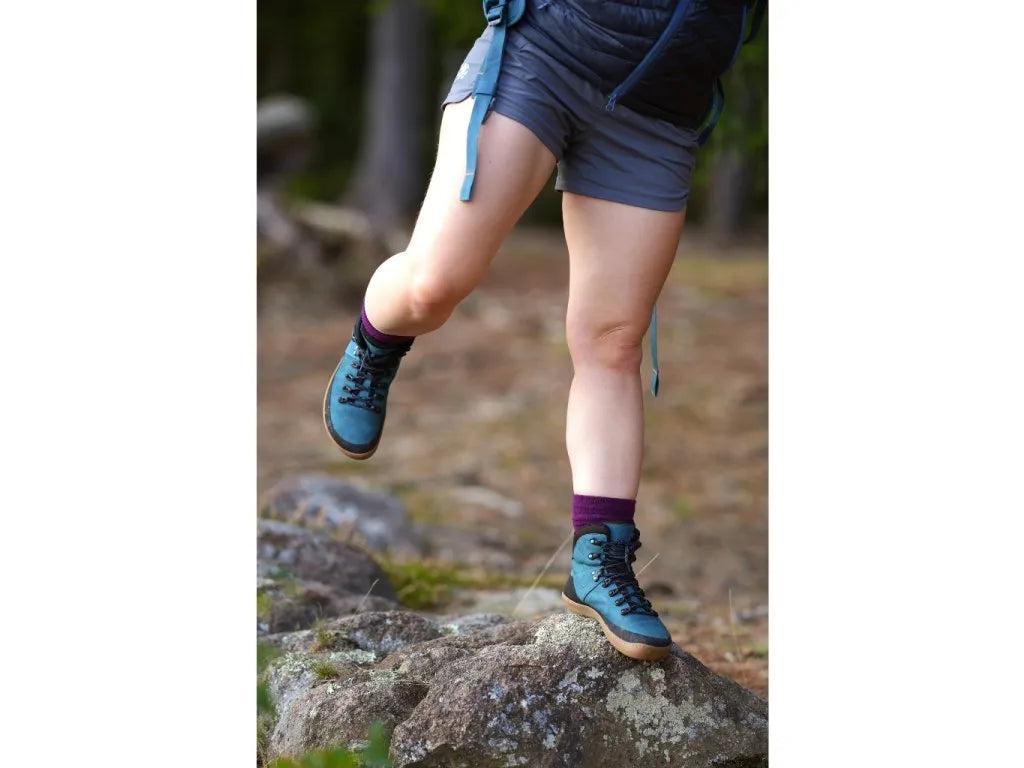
x,y
619,155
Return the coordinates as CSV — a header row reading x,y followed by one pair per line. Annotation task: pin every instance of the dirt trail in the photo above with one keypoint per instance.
x,y
481,404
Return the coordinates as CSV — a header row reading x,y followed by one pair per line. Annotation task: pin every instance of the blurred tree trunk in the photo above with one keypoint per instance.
x,y
387,182
730,175
727,194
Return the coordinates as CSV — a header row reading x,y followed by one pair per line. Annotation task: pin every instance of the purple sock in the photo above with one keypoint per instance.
x,y
381,338
587,510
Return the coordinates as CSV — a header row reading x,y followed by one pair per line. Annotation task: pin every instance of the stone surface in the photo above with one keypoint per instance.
x,y
520,602
546,693
291,604
286,552
380,632
341,711
375,520
470,545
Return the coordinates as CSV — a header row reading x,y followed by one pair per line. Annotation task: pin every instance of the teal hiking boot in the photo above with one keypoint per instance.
x,y
355,402
602,585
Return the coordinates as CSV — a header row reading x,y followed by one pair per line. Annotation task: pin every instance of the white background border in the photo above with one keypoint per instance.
x,y
128,316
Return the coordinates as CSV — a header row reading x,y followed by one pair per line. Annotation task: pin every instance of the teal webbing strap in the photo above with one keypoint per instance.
x,y
714,113
500,14
652,333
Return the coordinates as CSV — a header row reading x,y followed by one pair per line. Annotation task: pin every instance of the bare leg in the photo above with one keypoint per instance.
x,y
619,257
453,242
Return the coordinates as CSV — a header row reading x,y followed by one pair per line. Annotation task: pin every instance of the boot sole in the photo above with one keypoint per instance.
x,y
639,651
350,454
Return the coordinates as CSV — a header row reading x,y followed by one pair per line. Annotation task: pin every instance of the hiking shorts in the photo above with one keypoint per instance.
x,y
620,155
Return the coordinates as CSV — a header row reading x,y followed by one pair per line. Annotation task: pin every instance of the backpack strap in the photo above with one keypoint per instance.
x,y
500,14
653,53
714,112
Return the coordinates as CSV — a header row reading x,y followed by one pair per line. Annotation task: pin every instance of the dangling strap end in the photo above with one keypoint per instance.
x,y
652,333
467,187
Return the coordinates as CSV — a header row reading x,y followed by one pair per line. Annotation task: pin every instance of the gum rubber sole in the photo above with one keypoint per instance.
x,y
350,454
639,651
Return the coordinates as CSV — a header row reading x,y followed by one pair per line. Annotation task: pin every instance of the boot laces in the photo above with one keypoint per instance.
x,y
616,560
369,379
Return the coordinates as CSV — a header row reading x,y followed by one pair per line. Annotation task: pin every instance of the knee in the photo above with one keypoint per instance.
x,y
611,346
433,295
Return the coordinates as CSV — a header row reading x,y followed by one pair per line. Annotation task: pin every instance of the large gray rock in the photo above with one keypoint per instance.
x,y
286,551
547,693
341,711
377,521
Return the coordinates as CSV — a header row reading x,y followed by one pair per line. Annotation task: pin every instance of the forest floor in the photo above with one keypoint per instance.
x,y
480,404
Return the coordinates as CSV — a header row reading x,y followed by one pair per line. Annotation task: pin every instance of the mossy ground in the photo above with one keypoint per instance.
x,y
428,584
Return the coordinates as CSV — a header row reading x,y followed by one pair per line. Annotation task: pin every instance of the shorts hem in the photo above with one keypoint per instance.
x,y
535,127
637,201
520,117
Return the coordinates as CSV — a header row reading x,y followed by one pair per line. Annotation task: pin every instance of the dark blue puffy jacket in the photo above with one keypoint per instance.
x,y
603,40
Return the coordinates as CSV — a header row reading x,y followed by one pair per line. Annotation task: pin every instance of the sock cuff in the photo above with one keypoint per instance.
x,y
601,509
379,336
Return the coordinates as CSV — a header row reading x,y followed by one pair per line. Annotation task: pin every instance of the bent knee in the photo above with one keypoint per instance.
x,y
435,294
615,346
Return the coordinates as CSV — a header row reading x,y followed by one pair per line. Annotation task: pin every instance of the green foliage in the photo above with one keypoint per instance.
x,y
760,650
323,639
265,653
427,584
264,605
421,584
325,670
339,757
743,125
265,713
682,507
373,755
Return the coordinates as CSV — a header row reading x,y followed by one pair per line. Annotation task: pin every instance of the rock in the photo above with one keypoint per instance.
x,y
518,601
464,624
285,551
380,632
482,547
322,502
487,499
341,712
281,120
284,606
290,676
547,693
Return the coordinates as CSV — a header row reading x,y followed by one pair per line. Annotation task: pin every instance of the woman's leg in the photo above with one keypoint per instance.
x,y
453,242
619,257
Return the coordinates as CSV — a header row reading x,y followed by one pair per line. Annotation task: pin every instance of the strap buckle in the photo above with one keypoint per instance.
x,y
494,11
